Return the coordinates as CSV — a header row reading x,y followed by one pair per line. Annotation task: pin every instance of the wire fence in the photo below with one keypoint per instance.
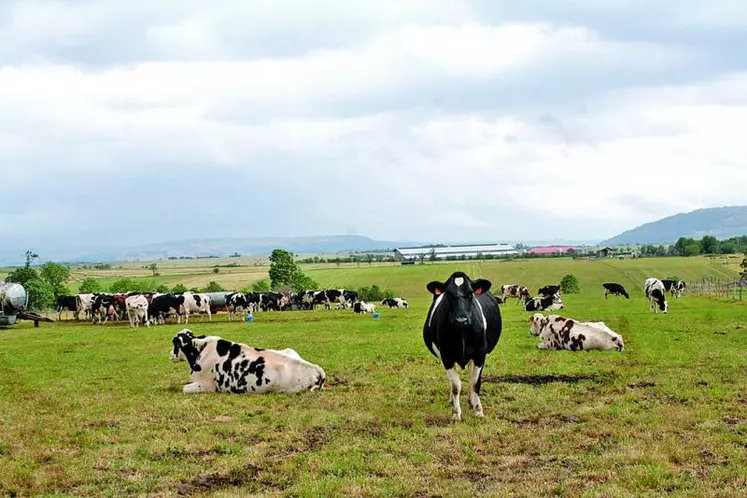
x,y
722,289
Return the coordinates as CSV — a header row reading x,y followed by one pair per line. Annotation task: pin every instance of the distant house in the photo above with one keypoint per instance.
x,y
443,252
605,252
550,250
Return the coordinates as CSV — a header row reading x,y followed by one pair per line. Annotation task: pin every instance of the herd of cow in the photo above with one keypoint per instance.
x,y
462,326
147,308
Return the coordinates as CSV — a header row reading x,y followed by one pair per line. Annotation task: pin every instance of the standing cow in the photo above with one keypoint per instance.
x,y
137,310
463,325
519,292
656,294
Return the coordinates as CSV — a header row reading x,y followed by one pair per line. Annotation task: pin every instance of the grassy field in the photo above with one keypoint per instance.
x,y
98,410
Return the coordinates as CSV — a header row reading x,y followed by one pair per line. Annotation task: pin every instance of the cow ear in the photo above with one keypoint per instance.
x,y
435,287
481,285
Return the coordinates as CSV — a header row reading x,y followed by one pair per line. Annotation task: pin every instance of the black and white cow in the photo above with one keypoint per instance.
x,y
350,297
104,307
548,290
559,332
394,302
163,305
545,303
67,303
236,303
83,303
670,286
363,307
195,303
656,294
519,292
615,290
463,325
137,310
681,286
218,365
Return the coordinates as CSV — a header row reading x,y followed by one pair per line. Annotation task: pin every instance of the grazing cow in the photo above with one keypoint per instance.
x,y
67,303
544,303
350,297
137,310
363,307
520,292
656,294
462,326
196,303
548,290
681,286
218,365
163,305
558,332
615,290
236,302
394,303
670,286
83,304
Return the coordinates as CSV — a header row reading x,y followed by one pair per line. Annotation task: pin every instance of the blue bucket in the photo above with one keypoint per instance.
x,y
376,315
249,318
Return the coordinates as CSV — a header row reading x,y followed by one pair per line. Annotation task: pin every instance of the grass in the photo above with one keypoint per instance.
x,y
98,410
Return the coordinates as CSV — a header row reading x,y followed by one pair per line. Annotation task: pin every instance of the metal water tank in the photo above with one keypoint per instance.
x,y
12,297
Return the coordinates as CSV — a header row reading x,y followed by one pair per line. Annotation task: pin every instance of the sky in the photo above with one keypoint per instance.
x,y
125,122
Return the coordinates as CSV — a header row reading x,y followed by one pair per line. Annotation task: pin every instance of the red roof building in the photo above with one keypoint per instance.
x,y
550,250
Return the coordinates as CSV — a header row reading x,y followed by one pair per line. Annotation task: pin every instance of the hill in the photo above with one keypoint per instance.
x,y
721,222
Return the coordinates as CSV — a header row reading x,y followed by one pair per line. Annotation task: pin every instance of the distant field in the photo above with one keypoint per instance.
x,y
98,410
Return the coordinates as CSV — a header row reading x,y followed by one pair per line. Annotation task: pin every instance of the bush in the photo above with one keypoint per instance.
x,y
213,286
374,293
162,289
89,286
569,285
261,286
178,289
40,294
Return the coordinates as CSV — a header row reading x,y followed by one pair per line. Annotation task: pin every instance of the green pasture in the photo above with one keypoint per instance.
x,y
98,410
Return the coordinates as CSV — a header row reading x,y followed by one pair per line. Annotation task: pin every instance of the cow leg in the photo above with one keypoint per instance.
x,y
475,382
195,387
456,388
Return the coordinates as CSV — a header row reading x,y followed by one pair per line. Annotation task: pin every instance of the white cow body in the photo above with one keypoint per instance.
x,y
219,365
137,310
196,303
559,332
656,294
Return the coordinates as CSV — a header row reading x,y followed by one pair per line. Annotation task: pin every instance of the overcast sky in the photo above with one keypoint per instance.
x,y
126,121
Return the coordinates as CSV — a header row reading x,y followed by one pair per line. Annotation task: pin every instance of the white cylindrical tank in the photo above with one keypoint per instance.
x,y
12,297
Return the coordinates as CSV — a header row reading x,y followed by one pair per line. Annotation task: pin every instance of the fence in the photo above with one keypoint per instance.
x,y
722,289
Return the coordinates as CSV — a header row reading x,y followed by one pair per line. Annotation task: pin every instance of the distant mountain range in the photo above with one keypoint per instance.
x,y
721,222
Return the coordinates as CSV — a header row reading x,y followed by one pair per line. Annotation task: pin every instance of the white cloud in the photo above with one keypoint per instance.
x,y
457,127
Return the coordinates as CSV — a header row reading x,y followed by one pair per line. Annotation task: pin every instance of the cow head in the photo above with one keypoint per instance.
x,y
536,323
458,294
185,349
557,303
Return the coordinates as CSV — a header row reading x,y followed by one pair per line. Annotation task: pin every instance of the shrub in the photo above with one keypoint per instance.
x,y
179,289
89,286
569,285
261,286
213,286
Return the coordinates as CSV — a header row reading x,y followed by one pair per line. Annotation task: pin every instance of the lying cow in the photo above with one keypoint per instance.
x,y
394,302
545,303
615,290
548,290
218,365
364,307
519,292
561,333
656,294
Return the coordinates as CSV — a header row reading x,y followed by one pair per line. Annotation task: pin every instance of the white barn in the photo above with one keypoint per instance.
x,y
470,251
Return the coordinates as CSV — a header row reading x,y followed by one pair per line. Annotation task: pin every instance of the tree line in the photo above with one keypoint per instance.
x,y
709,244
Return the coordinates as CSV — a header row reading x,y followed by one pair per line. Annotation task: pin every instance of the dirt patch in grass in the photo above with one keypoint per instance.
x,y
536,380
103,424
437,421
246,476
641,384
314,438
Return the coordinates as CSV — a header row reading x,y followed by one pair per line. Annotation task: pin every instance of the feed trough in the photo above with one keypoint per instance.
x,y
13,302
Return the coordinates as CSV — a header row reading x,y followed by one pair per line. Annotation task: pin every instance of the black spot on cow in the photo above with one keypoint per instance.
x,y
234,351
577,343
222,347
257,367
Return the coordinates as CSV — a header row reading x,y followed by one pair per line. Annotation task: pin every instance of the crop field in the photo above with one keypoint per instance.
x,y
98,410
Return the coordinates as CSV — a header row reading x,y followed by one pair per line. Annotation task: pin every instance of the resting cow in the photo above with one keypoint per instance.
x,y
656,294
218,365
561,333
544,303
463,325
394,302
615,290
364,307
548,290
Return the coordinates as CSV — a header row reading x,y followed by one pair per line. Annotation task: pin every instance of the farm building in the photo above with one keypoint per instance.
x,y
605,252
550,250
469,251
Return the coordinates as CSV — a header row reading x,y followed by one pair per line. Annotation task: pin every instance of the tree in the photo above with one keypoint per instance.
x,y
89,286
302,283
154,268
213,286
40,294
692,248
163,289
369,259
421,257
282,268
569,284
56,274
709,244
743,266
216,270
178,289
432,255
261,286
